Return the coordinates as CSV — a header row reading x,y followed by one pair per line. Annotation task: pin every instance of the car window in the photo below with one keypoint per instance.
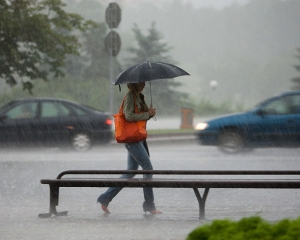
x,y
23,111
294,104
77,110
277,106
2,108
54,109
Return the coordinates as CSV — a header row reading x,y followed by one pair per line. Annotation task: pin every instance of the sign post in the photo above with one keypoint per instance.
x,y
112,41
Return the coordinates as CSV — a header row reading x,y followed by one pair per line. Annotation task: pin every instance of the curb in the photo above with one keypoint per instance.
x,y
171,137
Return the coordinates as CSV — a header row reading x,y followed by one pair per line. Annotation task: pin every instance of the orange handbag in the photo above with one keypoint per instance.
x,y
129,132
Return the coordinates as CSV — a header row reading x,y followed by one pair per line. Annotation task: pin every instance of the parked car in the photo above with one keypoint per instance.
x,y
273,123
49,121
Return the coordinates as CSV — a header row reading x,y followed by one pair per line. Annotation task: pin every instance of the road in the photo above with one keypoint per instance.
x,y
22,197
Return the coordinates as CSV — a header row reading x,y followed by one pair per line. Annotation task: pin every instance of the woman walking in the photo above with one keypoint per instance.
x,y
138,154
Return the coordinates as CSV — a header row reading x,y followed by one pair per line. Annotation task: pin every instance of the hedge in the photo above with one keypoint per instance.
x,y
252,228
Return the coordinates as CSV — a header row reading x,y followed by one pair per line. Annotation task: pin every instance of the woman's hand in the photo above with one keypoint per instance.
x,y
151,111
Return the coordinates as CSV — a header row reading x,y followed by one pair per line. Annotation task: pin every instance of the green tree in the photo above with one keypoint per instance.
x,y
151,47
296,80
97,54
35,38
93,61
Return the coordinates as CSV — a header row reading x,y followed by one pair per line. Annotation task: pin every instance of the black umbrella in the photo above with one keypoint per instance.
x,y
148,71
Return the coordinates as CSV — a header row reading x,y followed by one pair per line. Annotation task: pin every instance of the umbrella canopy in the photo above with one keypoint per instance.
x,y
148,71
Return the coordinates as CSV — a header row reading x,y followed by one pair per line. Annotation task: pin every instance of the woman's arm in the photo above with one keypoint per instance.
x,y
128,110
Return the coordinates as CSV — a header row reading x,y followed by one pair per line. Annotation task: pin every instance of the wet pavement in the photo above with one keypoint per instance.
x,y
22,197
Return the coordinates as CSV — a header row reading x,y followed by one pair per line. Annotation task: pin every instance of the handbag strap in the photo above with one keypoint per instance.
x,y
136,109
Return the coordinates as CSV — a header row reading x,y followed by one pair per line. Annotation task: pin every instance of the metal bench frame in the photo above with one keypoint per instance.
x,y
273,183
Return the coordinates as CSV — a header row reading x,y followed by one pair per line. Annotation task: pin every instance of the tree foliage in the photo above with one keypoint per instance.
x,y
296,80
88,92
247,229
35,38
99,59
93,61
151,47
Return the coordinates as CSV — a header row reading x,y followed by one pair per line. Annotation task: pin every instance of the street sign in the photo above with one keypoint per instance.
x,y
113,43
113,15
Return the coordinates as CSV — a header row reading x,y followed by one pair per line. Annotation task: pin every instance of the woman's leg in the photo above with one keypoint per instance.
x,y
140,155
111,192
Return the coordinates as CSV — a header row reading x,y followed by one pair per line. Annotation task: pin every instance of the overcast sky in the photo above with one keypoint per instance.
x,y
213,3
197,3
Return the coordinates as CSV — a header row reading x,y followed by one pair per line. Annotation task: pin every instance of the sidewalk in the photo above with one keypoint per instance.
x,y
169,123
171,136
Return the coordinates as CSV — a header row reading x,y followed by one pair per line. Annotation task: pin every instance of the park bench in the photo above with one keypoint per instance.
x,y
184,179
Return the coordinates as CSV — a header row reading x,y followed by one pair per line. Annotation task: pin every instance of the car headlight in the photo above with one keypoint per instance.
x,y
201,126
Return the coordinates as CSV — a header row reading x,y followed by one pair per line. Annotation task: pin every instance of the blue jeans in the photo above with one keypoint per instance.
x,y
137,155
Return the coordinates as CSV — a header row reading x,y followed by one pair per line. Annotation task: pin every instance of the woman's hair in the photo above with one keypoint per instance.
x,y
133,87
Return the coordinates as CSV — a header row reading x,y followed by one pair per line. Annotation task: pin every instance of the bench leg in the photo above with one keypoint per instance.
x,y
54,196
201,201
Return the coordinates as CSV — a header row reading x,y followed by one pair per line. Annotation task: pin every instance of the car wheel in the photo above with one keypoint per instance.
x,y
230,142
81,142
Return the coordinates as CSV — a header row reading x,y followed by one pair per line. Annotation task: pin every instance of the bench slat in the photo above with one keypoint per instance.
x,y
175,183
181,172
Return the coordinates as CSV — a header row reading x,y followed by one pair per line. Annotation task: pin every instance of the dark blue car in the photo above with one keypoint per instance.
x,y
53,122
273,123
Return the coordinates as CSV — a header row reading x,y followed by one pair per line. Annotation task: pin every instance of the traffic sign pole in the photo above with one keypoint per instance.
x,y
111,70
112,42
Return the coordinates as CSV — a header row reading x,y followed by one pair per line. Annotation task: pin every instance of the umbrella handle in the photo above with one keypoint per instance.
x,y
150,94
154,117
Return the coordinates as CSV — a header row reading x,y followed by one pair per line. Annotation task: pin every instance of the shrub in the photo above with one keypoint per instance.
x,y
252,228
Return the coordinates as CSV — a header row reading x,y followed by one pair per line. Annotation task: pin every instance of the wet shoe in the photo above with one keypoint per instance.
x,y
105,209
155,212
